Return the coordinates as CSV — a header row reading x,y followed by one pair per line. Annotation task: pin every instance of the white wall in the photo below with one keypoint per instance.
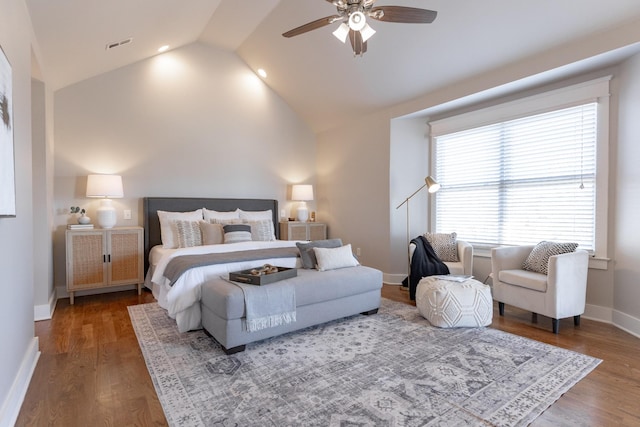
x,y
42,150
627,195
409,165
353,183
19,347
195,121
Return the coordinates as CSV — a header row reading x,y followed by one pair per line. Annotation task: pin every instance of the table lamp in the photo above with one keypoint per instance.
x,y
106,187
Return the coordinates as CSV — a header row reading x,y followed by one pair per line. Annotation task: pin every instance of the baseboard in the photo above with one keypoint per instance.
x,y
598,313
627,323
10,408
393,279
45,311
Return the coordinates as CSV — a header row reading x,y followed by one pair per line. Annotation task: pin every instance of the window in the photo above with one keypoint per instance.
x,y
526,171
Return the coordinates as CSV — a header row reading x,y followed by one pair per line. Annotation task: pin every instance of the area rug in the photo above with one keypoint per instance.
x,y
388,369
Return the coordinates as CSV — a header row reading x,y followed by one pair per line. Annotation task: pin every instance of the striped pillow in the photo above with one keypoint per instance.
x,y
234,233
538,259
188,233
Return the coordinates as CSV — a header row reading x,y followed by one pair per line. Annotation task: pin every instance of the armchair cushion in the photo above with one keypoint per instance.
x,y
538,259
526,279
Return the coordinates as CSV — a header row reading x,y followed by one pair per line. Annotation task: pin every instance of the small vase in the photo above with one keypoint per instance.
x,y
84,219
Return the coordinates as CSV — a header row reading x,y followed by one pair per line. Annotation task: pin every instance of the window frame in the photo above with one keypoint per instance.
x,y
596,90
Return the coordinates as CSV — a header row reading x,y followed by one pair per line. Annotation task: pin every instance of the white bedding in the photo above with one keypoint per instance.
x,y
182,299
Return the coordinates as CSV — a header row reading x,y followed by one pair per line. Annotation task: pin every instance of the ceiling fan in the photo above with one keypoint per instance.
x,y
353,15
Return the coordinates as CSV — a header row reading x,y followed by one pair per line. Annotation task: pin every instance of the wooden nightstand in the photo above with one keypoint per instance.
x,y
102,258
296,230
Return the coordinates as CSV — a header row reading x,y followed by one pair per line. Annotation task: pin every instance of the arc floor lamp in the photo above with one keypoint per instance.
x,y
432,187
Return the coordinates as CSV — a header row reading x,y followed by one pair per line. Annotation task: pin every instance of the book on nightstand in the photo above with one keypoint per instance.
x,y
80,226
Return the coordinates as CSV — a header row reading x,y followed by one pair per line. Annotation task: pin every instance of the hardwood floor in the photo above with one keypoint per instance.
x,y
91,370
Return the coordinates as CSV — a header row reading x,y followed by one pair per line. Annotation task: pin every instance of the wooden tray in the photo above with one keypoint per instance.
x,y
245,276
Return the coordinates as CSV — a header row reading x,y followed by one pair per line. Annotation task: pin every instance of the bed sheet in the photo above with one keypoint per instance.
x,y
182,300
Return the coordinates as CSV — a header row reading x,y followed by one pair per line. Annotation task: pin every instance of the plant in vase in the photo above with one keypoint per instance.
x,y
82,219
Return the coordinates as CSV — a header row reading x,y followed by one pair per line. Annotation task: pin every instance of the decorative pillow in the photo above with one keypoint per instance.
x,y
256,215
219,217
234,233
212,234
444,245
308,256
538,259
262,230
333,258
168,231
188,233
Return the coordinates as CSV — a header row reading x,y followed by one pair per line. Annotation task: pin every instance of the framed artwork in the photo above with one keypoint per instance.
x,y
7,162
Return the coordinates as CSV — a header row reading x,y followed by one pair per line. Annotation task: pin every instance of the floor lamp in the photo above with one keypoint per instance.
x,y
432,187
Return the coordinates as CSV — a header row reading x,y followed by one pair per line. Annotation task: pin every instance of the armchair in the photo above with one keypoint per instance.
x,y
464,265
559,294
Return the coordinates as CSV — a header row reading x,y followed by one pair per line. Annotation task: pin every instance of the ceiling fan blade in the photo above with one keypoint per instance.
x,y
318,23
409,15
359,47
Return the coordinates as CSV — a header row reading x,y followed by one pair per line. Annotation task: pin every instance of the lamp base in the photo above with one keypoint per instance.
x,y
106,214
303,212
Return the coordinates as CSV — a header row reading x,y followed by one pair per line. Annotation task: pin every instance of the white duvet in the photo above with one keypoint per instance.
x,y
182,300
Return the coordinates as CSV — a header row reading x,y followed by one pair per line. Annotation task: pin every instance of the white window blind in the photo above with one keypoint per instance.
x,y
521,181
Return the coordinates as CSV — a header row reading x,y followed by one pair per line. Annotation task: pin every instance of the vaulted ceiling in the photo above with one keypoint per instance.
x,y
316,74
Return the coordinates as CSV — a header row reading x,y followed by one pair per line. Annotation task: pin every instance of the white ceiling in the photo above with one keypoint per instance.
x,y
315,73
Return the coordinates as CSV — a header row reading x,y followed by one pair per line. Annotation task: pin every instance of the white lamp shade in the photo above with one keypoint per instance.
x,y
342,32
367,32
109,186
302,192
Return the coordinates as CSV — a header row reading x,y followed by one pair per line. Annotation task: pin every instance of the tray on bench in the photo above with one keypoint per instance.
x,y
245,276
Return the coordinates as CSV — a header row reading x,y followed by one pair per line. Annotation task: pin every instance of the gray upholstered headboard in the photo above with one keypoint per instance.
x,y
151,206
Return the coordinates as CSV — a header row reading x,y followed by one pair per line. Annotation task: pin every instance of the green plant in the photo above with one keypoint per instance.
x,y
76,209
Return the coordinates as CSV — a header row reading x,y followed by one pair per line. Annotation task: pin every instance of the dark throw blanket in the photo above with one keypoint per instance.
x,y
182,263
424,262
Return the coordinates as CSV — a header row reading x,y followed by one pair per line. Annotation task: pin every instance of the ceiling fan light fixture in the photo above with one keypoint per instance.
x,y
357,21
367,32
342,32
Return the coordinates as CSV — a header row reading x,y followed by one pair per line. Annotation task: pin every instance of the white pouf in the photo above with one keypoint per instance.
x,y
448,303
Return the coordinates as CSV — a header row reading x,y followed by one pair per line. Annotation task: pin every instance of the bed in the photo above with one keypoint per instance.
x,y
201,296
181,297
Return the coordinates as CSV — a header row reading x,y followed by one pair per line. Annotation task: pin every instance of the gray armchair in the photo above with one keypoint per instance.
x,y
559,294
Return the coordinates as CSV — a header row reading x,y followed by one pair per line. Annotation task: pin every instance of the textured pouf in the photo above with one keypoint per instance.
x,y
450,303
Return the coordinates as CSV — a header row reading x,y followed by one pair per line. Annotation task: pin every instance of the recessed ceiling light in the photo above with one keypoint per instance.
x,y
163,48
262,73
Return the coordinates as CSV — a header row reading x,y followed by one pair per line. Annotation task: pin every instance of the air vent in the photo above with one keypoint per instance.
x,y
117,44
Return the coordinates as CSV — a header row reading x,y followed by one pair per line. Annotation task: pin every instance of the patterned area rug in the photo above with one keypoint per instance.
x,y
389,369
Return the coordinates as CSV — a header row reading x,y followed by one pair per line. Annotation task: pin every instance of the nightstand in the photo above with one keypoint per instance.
x,y
297,230
102,258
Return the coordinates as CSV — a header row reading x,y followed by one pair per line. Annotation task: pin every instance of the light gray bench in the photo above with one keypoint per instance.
x,y
321,296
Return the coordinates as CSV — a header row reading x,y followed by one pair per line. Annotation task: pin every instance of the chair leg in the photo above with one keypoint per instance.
x,y
576,320
534,317
556,325
501,308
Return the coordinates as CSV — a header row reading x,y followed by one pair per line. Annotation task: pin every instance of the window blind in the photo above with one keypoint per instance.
x,y
520,181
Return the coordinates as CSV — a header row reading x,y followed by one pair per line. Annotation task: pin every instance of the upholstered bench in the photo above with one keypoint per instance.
x,y
454,302
321,296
